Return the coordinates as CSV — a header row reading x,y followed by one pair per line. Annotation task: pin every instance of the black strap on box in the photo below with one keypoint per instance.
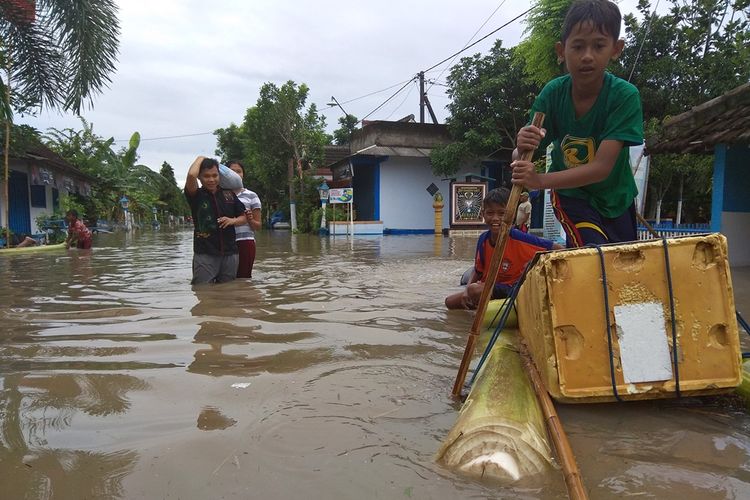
x,y
675,345
675,354
609,324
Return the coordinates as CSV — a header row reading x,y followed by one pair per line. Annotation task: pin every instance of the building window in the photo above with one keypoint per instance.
x,y
39,196
55,199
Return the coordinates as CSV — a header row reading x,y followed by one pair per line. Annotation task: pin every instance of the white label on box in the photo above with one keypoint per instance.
x,y
644,351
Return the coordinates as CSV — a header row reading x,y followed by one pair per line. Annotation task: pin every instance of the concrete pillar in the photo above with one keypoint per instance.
x,y
437,204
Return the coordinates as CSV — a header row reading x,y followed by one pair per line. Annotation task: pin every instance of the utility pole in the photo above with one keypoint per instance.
x,y
421,97
429,108
424,101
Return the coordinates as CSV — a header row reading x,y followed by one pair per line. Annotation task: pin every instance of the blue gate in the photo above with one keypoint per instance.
x,y
18,193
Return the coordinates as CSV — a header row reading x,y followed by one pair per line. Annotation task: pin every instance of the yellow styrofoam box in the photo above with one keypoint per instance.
x,y
561,315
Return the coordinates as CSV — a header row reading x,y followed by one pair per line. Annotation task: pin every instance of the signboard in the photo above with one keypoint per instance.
x,y
466,202
341,195
552,229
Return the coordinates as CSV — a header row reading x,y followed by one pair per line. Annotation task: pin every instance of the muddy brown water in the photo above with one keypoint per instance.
x,y
327,376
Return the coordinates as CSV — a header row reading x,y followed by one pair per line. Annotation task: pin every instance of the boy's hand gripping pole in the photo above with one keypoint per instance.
x,y
489,282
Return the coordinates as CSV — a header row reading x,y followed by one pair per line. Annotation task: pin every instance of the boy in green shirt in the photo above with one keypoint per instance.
x,y
592,118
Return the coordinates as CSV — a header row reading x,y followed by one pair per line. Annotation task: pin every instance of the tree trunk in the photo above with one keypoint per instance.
x,y
658,210
292,205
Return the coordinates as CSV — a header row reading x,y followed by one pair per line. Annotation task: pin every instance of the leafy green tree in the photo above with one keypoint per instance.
x,y
665,170
342,135
22,138
264,160
543,30
230,143
94,156
489,103
116,173
171,198
697,51
278,139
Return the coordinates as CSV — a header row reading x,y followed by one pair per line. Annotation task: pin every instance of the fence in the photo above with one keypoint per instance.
x,y
670,230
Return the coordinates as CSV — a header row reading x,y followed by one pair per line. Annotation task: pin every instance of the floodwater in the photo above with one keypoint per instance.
x,y
327,376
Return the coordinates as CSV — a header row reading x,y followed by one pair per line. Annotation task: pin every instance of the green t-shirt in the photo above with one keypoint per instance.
x,y
616,115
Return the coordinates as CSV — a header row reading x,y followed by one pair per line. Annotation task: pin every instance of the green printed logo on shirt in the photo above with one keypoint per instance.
x,y
577,151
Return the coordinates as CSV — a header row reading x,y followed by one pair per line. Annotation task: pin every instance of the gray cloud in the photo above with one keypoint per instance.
x,y
189,66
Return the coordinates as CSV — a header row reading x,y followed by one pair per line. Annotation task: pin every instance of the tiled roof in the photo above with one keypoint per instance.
x,y
333,154
45,155
723,120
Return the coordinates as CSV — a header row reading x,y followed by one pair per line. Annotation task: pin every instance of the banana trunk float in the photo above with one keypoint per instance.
x,y
500,432
744,389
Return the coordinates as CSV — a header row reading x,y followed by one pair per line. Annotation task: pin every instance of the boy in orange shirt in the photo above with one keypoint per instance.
x,y
519,250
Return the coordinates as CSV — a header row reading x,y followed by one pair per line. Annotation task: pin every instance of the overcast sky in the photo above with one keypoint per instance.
x,y
188,67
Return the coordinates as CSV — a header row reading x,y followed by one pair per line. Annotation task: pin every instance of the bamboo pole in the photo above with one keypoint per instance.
x,y
571,472
494,267
647,225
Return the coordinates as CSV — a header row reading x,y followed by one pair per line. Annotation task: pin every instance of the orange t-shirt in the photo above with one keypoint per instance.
x,y
519,250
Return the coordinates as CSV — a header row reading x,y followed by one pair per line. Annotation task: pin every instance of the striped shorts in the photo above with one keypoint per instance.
x,y
584,225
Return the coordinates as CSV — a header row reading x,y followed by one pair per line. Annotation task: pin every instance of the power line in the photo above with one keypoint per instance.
x,y
469,41
435,82
402,101
377,91
405,82
167,137
481,39
331,105
449,58
643,41
386,101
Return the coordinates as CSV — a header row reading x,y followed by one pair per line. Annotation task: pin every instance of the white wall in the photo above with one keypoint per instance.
x,y
37,211
404,200
734,225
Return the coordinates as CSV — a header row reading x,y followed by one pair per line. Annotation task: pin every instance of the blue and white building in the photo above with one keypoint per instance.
x,y
720,127
37,178
390,171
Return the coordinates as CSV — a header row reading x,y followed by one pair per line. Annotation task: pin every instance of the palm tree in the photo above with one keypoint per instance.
x,y
59,59
54,54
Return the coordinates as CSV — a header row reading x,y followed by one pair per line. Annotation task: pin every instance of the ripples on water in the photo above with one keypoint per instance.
x,y
327,376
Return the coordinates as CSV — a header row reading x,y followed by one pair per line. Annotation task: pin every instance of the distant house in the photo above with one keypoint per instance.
x,y
391,175
720,126
36,180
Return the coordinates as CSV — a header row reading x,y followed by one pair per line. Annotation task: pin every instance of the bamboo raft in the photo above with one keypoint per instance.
x,y
674,295
743,391
501,434
33,249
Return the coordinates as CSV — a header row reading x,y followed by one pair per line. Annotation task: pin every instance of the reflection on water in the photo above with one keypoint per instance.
x,y
37,411
327,376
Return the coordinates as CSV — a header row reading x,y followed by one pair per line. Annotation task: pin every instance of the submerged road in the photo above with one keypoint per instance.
x,y
327,376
